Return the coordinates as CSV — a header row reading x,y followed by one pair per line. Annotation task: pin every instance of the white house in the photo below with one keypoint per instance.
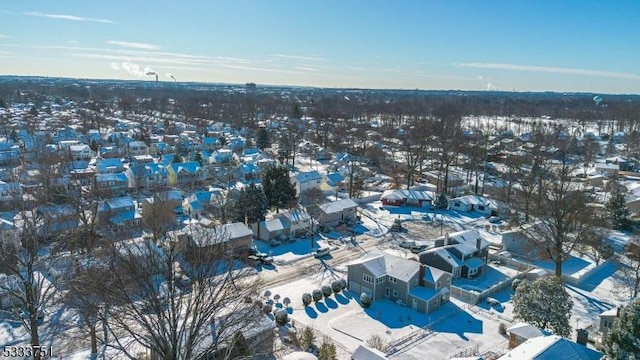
x,y
307,180
483,205
80,152
297,220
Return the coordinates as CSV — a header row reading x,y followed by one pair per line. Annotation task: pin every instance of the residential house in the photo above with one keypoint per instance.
x,y
307,180
403,281
463,254
109,165
483,205
119,212
10,191
236,237
113,184
332,182
364,352
297,221
107,152
607,319
414,198
134,148
9,232
144,173
80,152
333,213
160,148
251,155
185,174
172,198
197,202
522,243
551,347
269,229
221,156
521,332
210,143
58,218
9,153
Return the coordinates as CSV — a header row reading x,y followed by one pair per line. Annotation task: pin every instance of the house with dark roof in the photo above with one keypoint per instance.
x,y
113,184
400,197
119,212
403,281
462,254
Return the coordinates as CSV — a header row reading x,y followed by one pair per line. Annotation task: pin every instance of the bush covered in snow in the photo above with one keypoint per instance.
x,y
317,295
306,299
344,283
336,286
267,309
282,317
327,291
366,300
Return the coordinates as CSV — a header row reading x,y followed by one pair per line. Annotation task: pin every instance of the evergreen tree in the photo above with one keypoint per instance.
x,y
33,111
177,159
249,203
198,158
623,340
327,350
617,207
544,303
3,103
441,202
262,138
280,192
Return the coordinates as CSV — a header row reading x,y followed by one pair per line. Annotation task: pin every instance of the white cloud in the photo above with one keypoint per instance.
x,y
5,36
551,69
134,45
296,57
68,17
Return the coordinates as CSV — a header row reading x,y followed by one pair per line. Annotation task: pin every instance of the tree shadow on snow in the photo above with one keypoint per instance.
x,y
321,307
331,304
310,312
342,299
457,322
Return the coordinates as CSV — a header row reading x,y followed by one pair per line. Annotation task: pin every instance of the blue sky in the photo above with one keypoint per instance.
x,y
527,45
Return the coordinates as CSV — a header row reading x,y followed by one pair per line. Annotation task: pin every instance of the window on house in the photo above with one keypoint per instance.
x,y
395,293
380,279
481,208
438,284
456,204
391,279
386,292
367,278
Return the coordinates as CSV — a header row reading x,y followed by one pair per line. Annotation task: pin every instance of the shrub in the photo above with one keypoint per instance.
x,y
327,291
317,295
344,283
306,299
377,342
366,300
267,309
248,300
336,286
327,350
286,302
258,304
502,329
282,317
307,338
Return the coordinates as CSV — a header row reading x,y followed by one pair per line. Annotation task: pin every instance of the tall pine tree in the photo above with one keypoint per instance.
x,y
262,138
617,206
623,340
280,192
544,303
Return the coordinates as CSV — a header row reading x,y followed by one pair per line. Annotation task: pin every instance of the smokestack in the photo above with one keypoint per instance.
x,y
446,239
149,73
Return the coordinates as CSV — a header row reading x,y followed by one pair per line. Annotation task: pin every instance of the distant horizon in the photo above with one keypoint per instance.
x,y
572,46
242,84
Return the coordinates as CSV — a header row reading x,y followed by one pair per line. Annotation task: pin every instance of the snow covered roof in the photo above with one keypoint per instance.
x,y
526,330
338,206
400,194
366,353
551,347
446,255
273,225
423,293
380,264
307,176
432,274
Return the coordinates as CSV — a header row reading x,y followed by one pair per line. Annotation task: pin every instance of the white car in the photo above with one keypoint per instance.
x,y
323,251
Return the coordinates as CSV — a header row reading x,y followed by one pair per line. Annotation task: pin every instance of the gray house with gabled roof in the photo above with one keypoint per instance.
x,y
463,254
406,282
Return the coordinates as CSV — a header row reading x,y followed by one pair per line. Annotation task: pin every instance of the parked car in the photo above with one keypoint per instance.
x,y
492,301
418,248
323,251
264,258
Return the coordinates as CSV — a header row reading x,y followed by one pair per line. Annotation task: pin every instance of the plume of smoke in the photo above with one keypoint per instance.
x,y
150,72
170,76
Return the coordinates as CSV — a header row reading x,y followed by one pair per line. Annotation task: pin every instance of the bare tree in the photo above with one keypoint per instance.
x,y
178,309
28,263
563,217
